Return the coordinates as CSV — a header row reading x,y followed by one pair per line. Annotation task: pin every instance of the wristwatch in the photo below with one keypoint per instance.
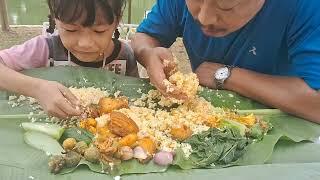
x,y
221,75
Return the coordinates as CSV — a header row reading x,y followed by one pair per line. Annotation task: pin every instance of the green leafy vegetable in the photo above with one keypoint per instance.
x,y
182,161
215,147
259,130
77,133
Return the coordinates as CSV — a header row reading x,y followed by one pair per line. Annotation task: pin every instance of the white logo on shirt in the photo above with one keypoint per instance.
x,y
117,66
253,50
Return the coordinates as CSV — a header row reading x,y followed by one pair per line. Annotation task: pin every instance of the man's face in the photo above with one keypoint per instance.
x,y
219,18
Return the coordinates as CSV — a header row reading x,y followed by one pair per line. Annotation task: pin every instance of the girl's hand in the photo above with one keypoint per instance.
x,y
57,100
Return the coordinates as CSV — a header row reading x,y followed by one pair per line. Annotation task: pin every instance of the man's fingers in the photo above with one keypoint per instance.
x,y
169,64
170,67
166,54
179,95
176,93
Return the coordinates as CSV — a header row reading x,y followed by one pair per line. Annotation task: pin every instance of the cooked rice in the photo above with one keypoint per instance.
x,y
89,95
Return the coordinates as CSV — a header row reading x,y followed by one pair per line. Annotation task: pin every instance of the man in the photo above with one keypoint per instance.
x,y
267,50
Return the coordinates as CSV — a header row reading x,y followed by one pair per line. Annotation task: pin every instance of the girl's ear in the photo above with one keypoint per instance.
x,y
56,21
118,23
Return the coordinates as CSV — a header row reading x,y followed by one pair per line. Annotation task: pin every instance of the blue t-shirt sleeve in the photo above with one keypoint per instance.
x,y
163,22
304,42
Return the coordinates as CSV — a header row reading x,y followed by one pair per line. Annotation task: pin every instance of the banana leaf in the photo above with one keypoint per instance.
x,y
288,149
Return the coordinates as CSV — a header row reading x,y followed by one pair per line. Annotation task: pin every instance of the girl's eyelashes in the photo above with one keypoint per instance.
x,y
100,32
70,30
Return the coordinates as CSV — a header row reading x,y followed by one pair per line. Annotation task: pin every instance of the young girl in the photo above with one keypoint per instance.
x,y
85,29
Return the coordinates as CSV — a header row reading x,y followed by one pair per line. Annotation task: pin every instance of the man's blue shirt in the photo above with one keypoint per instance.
x,y
283,38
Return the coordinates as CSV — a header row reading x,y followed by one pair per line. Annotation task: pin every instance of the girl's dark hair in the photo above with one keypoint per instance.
x,y
70,11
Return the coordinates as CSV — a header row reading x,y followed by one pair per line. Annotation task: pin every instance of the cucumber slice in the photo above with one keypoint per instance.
x,y
43,142
52,130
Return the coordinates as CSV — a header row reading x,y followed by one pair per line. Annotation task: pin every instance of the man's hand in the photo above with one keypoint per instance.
x,y
205,73
290,94
56,99
160,66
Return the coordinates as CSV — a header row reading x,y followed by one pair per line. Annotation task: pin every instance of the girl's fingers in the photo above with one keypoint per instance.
x,y
68,109
57,112
69,96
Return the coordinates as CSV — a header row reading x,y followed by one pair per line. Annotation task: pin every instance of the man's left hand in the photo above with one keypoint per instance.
x,y
205,73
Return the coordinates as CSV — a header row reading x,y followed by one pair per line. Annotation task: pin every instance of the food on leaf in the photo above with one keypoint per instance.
x,y
69,144
106,147
181,133
107,104
52,130
139,153
80,147
128,140
163,158
113,134
56,163
122,125
92,154
212,122
248,120
186,84
92,111
230,124
148,145
125,153
72,159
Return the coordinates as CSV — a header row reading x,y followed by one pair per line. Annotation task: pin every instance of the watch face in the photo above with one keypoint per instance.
x,y
222,73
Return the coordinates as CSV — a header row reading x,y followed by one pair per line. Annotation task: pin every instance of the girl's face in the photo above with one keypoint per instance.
x,y
88,44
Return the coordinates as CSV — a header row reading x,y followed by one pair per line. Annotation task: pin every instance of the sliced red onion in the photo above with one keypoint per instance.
x,y
139,153
163,158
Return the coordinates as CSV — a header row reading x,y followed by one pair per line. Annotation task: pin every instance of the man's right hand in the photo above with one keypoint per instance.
x,y
160,65
56,100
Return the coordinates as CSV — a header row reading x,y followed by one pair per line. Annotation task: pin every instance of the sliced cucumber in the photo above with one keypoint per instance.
x,y
52,130
43,142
